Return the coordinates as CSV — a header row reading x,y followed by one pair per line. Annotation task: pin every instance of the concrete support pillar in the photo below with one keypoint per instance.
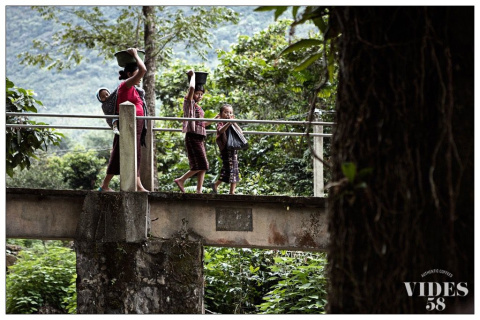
x,y
122,271
153,277
318,185
114,217
147,160
128,147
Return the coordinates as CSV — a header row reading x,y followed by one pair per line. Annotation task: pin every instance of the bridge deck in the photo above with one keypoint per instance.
x,y
277,222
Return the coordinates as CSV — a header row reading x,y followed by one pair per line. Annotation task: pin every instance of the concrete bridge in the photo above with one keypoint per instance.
x,y
143,252
274,222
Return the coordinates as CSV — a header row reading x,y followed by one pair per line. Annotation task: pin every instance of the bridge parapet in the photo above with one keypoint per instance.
x,y
276,222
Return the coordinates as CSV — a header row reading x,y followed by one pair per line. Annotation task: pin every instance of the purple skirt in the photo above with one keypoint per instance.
x,y
114,162
197,155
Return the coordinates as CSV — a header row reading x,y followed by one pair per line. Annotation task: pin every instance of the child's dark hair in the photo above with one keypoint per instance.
x,y
225,106
131,67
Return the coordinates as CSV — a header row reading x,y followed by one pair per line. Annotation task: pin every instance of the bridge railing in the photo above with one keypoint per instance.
x,y
128,149
59,115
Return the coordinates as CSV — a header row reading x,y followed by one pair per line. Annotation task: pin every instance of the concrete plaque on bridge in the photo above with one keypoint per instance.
x,y
234,219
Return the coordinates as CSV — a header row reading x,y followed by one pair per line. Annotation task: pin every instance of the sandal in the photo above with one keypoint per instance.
x,y
100,189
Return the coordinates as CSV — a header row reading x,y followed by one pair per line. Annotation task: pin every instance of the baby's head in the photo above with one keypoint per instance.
x,y
102,94
226,111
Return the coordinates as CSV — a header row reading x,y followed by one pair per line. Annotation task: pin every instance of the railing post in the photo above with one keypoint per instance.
x,y
128,147
318,185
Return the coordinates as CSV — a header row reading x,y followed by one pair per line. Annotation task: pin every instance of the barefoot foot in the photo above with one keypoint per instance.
x,y
180,185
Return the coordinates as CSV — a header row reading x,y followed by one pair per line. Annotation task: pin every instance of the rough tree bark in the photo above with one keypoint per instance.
x,y
404,110
150,61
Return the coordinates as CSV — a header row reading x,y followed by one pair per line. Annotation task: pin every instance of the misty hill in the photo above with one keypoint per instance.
x,y
72,91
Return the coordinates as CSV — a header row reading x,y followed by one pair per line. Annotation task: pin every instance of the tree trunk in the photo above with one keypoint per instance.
x,y
149,87
404,111
150,61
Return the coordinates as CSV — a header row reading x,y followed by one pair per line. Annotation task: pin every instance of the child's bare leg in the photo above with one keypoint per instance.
x,y
232,188
201,177
180,181
106,182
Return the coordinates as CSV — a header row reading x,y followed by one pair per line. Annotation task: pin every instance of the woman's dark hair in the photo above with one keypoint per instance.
x,y
131,67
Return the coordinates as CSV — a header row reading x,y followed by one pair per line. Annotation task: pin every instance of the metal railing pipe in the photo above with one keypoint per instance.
x,y
274,133
13,125
256,132
60,115
319,123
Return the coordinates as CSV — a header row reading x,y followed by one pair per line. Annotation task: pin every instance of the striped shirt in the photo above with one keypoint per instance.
x,y
193,110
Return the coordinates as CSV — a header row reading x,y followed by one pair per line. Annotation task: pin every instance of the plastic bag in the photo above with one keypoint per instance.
x,y
235,139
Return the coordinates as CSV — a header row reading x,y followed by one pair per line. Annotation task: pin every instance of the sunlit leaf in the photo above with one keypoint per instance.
x,y
304,43
279,10
307,62
349,170
320,23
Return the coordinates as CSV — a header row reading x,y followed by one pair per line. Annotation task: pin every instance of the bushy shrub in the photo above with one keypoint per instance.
x,y
301,286
264,281
234,279
42,276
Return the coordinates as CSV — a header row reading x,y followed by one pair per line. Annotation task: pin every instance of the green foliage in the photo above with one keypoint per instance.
x,y
300,287
43,174
41,276
234,279
354,180
70,299
264,281
22,143
80,168
237,281
110,29
26,243
322,49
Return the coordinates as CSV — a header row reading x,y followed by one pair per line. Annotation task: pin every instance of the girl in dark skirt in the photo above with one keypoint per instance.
x,y
195,134
229,171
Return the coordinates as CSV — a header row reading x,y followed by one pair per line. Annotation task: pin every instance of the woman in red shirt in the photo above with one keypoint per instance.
x,y
132,74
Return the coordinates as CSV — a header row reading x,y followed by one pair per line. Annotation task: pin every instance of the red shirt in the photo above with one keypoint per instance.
x,y
129,94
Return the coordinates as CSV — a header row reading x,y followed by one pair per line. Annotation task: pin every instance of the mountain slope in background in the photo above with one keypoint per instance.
x,y
72,91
